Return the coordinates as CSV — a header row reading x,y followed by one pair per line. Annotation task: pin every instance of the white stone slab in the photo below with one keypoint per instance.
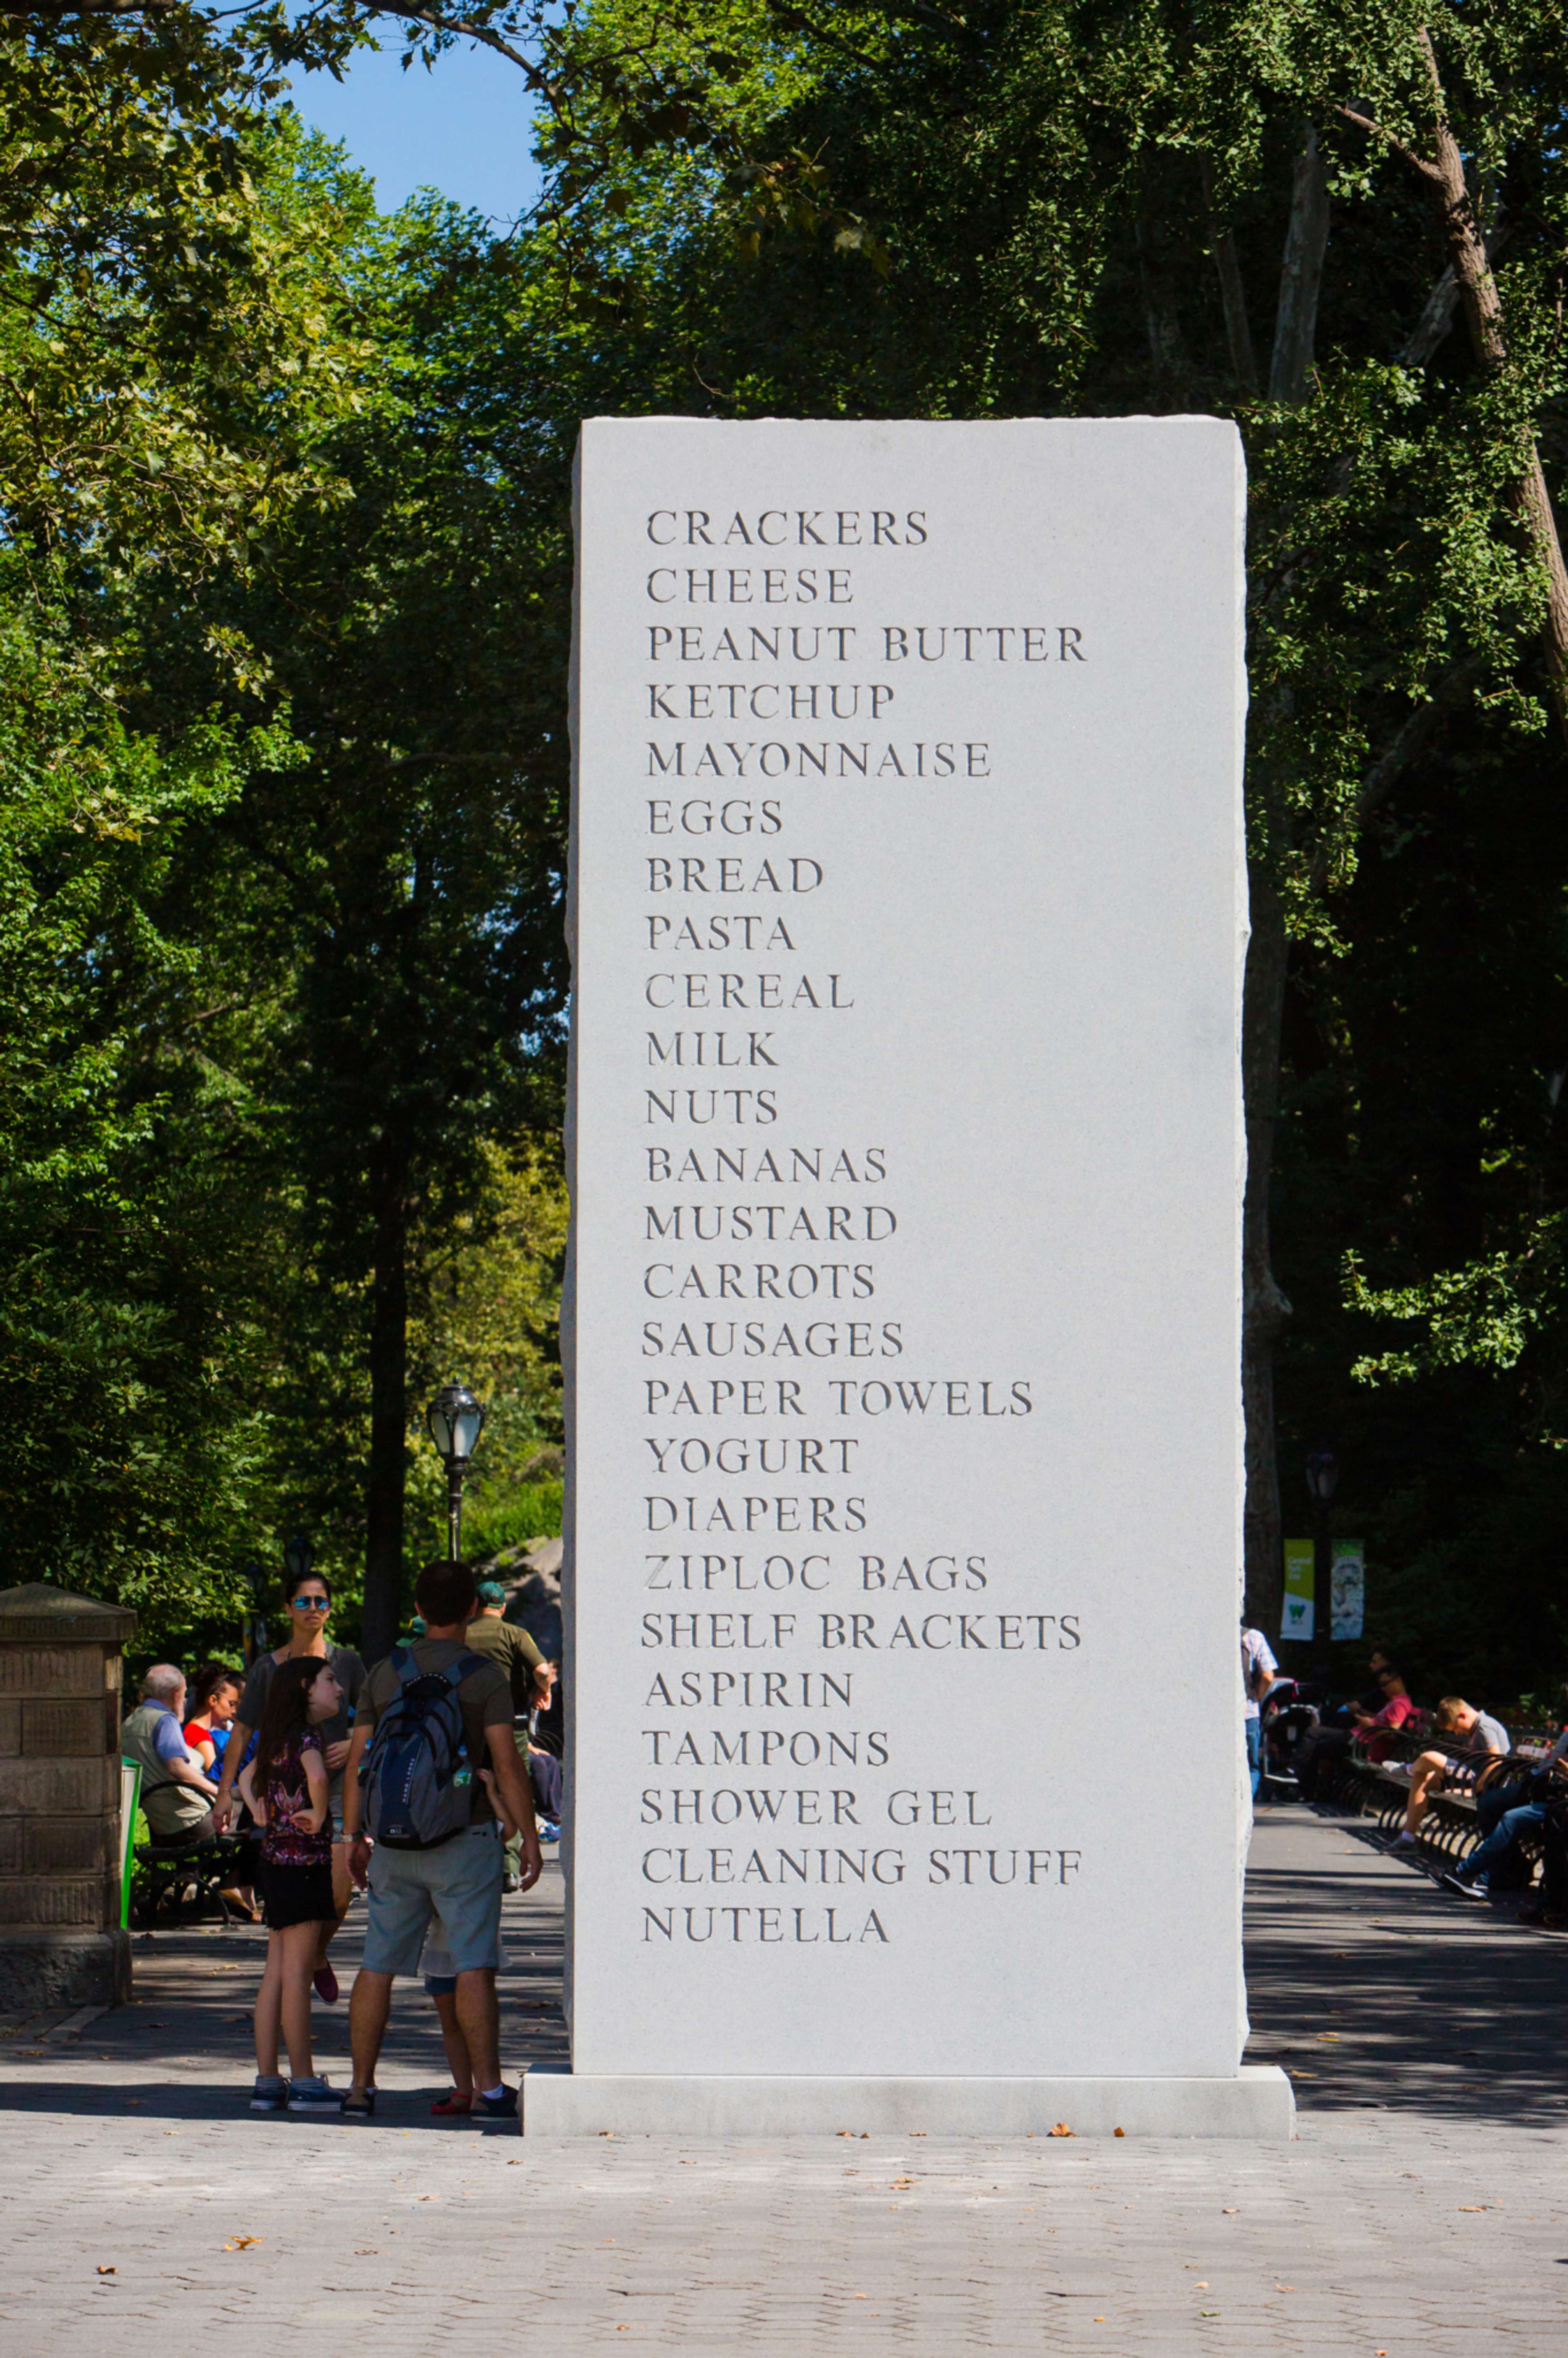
x,y
1258,2102
933,1050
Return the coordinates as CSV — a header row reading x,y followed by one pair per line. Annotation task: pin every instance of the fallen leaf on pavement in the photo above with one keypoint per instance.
x,y
1229,2213
108,2272
241,2243
1062,2129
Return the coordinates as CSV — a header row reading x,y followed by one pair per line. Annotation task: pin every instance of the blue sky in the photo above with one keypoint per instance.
x,y
462,128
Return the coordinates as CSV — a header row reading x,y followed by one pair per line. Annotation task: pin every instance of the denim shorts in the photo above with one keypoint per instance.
x,y
459,1881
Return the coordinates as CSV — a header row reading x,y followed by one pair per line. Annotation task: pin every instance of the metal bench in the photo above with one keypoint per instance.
x,y
176,1880
1449,1830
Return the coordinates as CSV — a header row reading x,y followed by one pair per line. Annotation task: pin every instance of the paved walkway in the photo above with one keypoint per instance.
x,y
1422,2211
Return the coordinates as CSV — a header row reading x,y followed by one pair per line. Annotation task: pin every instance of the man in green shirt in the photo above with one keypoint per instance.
x,y
501,1642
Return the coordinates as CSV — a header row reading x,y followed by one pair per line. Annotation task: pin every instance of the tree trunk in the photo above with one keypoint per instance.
x,y
388,1415
1264,1308
1167,352
1482,306
1232,295
1306,241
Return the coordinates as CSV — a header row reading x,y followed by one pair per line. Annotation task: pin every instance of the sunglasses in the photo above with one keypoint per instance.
x,y
310,1604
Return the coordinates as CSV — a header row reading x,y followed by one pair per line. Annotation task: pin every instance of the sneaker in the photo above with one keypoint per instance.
x,y
511,1883
269,2095
324,1982
496,2108
453,2101
1466,1889
315,2095
548,1831
1405,1842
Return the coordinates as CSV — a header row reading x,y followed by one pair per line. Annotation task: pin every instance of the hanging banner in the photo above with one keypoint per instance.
x,y
1296,1614
1348,1589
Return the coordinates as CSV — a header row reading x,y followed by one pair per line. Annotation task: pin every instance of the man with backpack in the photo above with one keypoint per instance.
x,y
423,1837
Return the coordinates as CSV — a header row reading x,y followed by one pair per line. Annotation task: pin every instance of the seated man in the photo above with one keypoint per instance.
x,y
176,1796
1468,1729
1504,1813
1376,1728
1377,1661
1551,1907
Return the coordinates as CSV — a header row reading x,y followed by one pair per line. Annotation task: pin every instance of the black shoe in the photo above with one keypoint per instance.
x,y
1466,1890
495,2108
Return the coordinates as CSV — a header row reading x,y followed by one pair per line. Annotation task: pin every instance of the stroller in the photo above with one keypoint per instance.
x,y
1289,1721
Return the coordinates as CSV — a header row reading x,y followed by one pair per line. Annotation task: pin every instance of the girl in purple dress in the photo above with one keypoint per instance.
x,y
287,1787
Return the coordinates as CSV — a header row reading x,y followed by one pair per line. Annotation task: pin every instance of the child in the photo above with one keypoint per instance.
x,y
286,1789
214,1699
442,1984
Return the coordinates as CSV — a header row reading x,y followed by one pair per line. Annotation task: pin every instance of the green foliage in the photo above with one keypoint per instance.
x,y
492,1524
128,1439
284,628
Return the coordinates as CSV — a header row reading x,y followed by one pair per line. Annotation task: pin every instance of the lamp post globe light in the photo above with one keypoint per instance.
x,y
298,1555
456,1420
1322,1481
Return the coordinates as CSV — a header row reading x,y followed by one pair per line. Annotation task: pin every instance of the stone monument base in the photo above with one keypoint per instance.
x,y
44,1970
1259,2102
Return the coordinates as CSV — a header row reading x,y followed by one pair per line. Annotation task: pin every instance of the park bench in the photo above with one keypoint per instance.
x,y
176,1880
1449,1830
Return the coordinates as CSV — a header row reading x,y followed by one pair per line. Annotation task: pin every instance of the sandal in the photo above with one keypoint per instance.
x,y
359,2103
454,2101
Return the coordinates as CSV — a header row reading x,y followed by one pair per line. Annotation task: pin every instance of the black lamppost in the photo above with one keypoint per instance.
x,y
454,1419
1322,1480
298,1555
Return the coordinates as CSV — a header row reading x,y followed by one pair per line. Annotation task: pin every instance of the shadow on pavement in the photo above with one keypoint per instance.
x,y
182,2050
1374,1987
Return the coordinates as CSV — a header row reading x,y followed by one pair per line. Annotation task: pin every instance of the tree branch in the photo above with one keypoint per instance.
x,y
1437,319
463,29
1396,147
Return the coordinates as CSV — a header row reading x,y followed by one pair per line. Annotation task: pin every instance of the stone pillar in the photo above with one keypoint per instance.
x,y
60,1942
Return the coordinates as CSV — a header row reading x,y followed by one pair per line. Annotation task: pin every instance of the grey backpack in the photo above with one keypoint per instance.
x,y
418,1778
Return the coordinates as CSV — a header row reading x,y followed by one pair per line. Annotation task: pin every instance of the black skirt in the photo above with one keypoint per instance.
x,y
296,1895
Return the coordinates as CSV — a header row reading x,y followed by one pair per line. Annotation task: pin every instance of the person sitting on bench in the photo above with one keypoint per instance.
x,y
1504,1813
177,1797
1376,1729
1468,1730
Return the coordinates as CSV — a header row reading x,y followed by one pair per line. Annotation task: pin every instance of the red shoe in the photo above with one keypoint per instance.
x,y
324,1982
452,2102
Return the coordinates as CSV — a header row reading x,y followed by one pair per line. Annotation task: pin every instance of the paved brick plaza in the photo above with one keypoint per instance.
x,y
1422,2212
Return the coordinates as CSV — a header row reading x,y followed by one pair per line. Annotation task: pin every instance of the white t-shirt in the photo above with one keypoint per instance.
x,y
1256,1655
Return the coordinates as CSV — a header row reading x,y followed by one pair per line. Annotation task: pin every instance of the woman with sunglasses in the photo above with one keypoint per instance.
x,y
310,1602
